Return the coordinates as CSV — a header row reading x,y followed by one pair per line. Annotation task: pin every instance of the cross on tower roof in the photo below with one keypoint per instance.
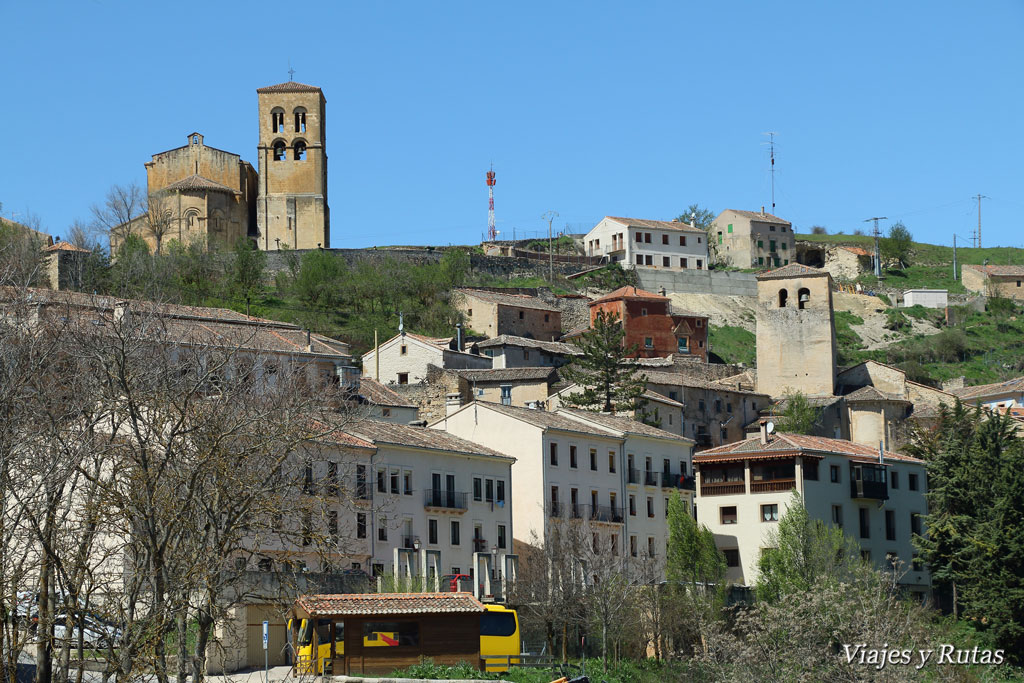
x,y
291,74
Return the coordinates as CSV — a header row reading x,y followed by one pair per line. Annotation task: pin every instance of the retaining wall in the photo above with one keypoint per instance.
x,y
698,282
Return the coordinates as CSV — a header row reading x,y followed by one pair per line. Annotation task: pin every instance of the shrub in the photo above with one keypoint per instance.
x,y
819,230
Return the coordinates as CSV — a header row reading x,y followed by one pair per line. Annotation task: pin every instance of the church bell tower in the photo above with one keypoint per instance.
x,y
291,208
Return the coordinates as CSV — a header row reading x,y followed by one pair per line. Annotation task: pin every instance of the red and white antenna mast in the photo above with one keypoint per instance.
x,y
492,233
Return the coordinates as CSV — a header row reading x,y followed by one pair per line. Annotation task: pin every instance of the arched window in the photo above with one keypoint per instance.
x,y
277,120
300,120
783,295
192,219
280,151
802,297
300,150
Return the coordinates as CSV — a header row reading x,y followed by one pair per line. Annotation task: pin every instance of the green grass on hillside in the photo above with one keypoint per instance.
x,y
733,344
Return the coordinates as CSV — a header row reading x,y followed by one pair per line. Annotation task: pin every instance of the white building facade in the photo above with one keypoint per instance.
x,y
612,472
666,245
745,488
404,358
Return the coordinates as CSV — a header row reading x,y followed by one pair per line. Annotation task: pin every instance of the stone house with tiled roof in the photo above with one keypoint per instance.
x,y
643,243
876,497
748,239
652,327
510,351
1007,394
405,358
508,386
495,313
1005,281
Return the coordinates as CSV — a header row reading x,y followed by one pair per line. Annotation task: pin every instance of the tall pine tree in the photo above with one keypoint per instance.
x,y
607,377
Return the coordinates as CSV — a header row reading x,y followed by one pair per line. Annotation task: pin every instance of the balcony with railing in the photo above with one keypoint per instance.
x,y
678,481
632,475
611,514
479,545
772,486
650,478
869,482
445,500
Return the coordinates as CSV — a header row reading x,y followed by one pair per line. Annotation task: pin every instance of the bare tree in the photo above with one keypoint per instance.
x,y
121,206
158,218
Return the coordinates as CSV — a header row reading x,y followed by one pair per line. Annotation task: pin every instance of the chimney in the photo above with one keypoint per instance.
x,y
762,209
763,424
452,402
458,336
662,291
881,454
309,342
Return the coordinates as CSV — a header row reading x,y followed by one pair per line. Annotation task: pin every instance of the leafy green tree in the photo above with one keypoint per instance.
x,y
695,570
801,552
607,377
799,416
248,266
898,244
702,218
455,265
319,282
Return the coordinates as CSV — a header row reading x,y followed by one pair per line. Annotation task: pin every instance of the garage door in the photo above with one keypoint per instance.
x,y
276,655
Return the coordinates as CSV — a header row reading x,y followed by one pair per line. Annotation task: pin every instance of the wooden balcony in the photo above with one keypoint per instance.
x,y
772,486
722,488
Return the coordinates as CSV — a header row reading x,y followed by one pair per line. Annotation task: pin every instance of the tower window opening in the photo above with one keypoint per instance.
x,y
195,139
279,151
300,120
783,296
802,297
300,151
277,121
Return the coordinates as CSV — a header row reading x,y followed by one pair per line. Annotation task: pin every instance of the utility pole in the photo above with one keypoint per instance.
x,y
979,197
954,257
878,253
551,216
771,153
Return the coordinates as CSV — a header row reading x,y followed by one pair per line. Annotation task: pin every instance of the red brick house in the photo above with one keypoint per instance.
x,y
651,325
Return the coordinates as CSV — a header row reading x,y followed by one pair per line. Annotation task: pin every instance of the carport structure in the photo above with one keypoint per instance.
x,y
376,633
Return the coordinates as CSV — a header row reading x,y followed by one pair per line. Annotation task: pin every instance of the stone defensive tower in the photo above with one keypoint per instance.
x,y
292,205
796,336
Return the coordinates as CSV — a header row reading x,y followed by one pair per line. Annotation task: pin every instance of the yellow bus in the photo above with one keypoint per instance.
x,y
499,638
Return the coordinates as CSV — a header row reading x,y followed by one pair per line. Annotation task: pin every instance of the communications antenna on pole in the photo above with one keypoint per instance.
x,y
492,232
771,153
979,197
878,255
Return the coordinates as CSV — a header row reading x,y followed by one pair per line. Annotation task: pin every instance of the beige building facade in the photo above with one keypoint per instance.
x,y
748,239
495,313
796,338
745,488
1005,281
292,209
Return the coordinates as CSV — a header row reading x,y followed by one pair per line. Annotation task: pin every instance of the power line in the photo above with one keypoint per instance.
x,y
878,259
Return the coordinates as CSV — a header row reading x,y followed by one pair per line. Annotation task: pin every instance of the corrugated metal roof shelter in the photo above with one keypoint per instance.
x,y
376,633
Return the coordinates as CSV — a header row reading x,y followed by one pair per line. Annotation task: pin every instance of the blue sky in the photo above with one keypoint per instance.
x,y
903,110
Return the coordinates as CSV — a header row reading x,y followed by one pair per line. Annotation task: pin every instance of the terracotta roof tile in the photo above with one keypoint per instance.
x,y
1003,271
66,246
290,86
655,225
869,393
526,343
618,423
198,183
518,300
793,270
785,442
760,216
355,604
982,390
505,374
378,394
381,432
629,292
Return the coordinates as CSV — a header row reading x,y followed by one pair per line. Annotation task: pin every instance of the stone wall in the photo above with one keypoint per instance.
x,y
698,282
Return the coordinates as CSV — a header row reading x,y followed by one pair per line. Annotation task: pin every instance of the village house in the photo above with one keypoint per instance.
x,y
1005,281
841,261
495,313
747,239
383,403
510,351
652,329
1008,394
714,413
507,386
404,358
668,245
611,473
654,409
877,498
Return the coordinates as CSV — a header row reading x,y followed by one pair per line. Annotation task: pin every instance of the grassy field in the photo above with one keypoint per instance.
x,y
733,344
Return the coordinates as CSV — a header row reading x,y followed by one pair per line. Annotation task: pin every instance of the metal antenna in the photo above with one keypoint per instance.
x,y
878,258
771,152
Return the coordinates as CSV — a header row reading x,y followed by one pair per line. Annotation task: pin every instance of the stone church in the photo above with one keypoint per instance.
x,y
198,192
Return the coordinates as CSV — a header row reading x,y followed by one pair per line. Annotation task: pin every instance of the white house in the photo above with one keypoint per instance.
x,y
404,358
613,472
385,404
648,244
744,488
929,298
1008,394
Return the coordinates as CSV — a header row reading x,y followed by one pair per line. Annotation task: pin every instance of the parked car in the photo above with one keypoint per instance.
x,y
97,631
